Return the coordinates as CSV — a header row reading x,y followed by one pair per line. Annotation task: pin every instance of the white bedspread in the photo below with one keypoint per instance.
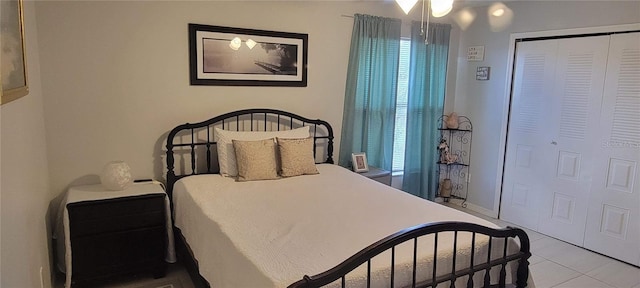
x,y
271,233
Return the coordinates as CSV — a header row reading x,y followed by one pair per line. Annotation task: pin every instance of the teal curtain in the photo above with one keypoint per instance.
x,y
427,83
370,94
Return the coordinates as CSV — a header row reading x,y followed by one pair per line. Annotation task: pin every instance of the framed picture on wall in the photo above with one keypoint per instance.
x,y
246,57
482,73
14,63
359,162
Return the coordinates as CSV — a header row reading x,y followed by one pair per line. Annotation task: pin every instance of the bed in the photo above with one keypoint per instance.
x,y
327,226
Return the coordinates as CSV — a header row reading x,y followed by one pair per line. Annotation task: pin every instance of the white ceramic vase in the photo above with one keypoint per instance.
x,y
116,176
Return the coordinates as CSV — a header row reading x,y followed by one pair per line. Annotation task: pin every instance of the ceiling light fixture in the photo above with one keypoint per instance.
x,y
439,8
499,16
406,5
465,17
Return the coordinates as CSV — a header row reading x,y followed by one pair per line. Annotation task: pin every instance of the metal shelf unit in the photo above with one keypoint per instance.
x,y
459,142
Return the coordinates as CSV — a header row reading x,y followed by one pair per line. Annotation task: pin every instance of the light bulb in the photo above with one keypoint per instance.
x,y
440,8
235,43
250,43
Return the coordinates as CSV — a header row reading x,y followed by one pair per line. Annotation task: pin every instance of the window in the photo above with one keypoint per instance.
x,y
401,106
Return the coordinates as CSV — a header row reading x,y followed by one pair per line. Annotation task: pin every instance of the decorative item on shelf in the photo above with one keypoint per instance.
x,y
116,175
445,154
445,189
452,121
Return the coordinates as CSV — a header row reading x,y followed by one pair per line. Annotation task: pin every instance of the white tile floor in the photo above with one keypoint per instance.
x,y
558,264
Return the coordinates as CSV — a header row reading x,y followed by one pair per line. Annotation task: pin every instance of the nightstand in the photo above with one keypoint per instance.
x,y
377,174
112,233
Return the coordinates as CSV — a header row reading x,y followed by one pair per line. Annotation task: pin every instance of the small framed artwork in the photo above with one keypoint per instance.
x,y
482,73
229,56
14,63
359,162
475,53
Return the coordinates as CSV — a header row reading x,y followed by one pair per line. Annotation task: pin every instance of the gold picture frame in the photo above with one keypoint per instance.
x,y
13,60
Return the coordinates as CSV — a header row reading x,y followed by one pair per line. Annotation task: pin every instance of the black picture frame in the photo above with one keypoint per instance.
x,y
482,73
227,56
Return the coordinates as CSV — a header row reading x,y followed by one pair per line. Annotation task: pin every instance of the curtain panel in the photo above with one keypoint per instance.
x,y
427,83
370,94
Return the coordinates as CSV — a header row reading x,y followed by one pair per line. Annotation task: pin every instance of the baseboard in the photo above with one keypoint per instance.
x,y
482,210
474,208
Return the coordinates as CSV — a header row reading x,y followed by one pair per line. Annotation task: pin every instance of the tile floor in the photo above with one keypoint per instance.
x,y
554,264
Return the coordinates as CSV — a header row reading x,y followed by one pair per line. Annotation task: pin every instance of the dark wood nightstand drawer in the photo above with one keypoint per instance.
x,y
99,256
117,236
110,215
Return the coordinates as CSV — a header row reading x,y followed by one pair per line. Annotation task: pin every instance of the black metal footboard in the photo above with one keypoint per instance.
x,y
339,272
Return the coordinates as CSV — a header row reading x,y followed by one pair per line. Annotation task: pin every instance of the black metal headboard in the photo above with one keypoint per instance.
x,y
195,142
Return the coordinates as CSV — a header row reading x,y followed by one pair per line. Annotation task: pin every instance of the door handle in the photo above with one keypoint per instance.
x,y
554,142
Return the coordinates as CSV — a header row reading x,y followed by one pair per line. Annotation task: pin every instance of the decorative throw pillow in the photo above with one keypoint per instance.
x,y
256,160
226,154
296,157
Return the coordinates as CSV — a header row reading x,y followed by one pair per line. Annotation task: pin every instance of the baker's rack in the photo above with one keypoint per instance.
x,y
459,141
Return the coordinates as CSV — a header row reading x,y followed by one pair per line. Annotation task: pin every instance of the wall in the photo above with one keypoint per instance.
x,y
483,101
116,74
25,193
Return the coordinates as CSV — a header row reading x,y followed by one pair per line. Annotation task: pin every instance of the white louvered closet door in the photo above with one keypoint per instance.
x,y
574,110
613,221
526,159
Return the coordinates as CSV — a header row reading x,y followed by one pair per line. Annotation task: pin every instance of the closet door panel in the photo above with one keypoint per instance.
x,y
613,220
574,110
526,159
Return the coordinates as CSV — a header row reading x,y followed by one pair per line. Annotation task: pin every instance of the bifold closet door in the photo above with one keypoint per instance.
x,y
556,103
613,220
573,112
527,156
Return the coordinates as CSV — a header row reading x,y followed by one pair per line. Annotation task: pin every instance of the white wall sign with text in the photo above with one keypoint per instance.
x,y
475,53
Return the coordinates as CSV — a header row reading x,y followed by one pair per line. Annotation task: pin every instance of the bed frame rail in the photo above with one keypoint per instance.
x,y
340,271
193,136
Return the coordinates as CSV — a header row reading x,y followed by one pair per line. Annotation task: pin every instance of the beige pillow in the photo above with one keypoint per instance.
x,y
296,157
256,160
224,138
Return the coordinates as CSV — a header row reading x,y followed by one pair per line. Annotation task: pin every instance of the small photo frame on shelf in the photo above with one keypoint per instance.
x,y
359,162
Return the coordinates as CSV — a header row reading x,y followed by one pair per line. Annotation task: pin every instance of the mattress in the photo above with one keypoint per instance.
x,y
271,233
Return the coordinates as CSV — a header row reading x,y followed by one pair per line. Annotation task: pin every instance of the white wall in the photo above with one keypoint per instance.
x,y
25,192
483,101
115,74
